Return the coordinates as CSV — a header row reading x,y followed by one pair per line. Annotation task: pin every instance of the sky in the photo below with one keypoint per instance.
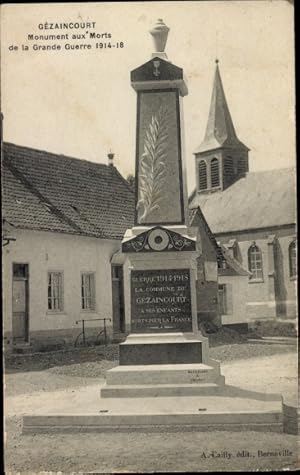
x,y
80,102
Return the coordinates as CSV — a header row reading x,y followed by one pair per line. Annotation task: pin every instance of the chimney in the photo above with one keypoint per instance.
x,y
110,159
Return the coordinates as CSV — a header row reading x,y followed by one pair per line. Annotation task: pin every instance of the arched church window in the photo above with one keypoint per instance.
x,y
202,175
292,259
255,262
214,171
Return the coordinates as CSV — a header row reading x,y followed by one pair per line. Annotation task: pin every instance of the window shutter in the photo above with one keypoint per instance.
x,y
229,299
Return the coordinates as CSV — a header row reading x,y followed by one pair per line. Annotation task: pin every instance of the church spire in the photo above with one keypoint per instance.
x,y
222,158
220,129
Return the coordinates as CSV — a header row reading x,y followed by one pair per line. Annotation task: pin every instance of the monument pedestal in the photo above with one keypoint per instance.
x,y
163,348
167,364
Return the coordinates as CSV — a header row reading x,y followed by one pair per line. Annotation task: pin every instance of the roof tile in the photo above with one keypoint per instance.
x,y
259,200
47,191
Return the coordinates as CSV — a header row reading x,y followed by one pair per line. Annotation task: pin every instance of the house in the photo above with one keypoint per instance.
x,y
251,214
63,223
67,218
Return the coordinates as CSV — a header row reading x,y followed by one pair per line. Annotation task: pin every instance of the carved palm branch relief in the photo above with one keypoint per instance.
x,y
152,174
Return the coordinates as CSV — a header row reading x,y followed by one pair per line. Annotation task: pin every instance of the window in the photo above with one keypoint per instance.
x,y
292,259
202,175
55,291
222,299
20,271
214,171
255,262
88,291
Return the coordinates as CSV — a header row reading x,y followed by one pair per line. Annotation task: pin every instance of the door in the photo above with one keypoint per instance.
x,y
118,299
20,302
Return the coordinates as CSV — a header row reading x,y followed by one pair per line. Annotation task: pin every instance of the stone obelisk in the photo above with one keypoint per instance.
x,y
160,284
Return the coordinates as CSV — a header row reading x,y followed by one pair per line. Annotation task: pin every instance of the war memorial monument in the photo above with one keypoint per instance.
x,y
166,379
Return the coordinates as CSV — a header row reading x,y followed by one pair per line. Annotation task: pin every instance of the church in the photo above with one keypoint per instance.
x,y
251,214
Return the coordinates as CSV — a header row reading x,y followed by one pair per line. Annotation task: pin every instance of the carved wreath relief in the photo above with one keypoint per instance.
x,y
152,175
158,239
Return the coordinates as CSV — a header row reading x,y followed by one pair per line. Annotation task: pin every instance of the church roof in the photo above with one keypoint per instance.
x,y
51,192
220,129
259,200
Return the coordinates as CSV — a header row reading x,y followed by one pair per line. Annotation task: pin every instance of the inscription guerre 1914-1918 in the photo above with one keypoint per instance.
x,y
160,301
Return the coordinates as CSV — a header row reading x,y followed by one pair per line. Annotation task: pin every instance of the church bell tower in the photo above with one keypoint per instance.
x,y
221,158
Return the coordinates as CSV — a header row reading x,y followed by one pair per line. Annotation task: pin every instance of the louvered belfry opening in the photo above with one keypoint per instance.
x,y
242,164
215,174
202,175
228,166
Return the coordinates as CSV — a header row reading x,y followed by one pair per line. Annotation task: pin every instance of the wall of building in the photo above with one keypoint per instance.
x,y
236,289
275,295
72,255
207,278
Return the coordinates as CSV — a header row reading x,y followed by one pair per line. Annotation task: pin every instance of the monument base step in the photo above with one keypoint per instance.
x,y
89,413
162,390
84,426
163,374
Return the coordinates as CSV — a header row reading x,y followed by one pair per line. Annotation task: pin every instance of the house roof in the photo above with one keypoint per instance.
x,y
220,129
196,212
259,200
51,192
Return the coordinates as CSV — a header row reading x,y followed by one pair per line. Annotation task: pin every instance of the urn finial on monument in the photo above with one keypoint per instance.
x,y
160,33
